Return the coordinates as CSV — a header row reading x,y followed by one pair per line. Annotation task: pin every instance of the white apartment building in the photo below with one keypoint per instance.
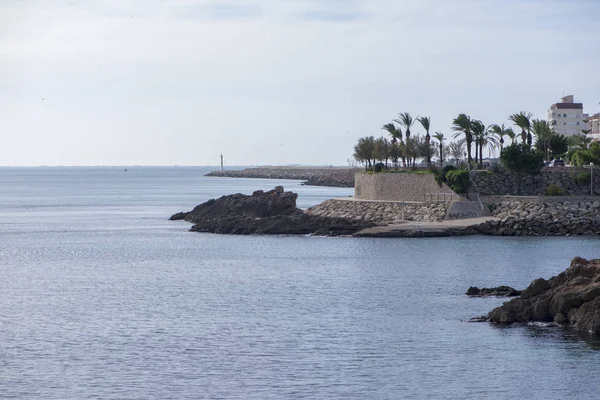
x,y
567,117
594,126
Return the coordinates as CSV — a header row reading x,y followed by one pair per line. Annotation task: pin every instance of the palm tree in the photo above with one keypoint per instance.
x,y
396,134
425,123
478,129
511,134
439,136
523,121
500,131
490,140
543,134
406,120
462,126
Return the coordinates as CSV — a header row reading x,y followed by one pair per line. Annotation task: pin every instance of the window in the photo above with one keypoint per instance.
x,y
577,122
564,123
565,115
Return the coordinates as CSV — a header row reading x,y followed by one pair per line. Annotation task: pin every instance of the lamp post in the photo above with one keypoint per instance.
x,y
591,179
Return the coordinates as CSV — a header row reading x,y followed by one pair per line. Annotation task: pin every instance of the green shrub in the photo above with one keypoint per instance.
x,y
554,190
440,176
583,178
458,180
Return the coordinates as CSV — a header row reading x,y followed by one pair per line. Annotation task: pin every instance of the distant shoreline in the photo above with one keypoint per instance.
x,y
314,176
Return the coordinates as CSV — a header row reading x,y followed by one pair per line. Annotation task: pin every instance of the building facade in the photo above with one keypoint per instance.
x,y
567,117
594,126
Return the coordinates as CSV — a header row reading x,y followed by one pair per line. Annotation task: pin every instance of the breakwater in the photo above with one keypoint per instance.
x,y
315,176
543,216
379,211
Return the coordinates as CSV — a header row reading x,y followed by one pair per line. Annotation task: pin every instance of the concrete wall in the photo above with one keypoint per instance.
x,y
402,186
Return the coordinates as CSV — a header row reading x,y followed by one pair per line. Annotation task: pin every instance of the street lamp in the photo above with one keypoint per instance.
x,y
591,179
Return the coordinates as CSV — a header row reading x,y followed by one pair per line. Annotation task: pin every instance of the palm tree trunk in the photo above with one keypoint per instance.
x,y
469,158
441,155
481,154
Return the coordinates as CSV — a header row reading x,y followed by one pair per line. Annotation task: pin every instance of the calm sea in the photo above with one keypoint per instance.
x,y
101,297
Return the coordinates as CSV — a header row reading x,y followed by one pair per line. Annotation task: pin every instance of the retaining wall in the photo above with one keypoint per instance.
x,y
402,186
490,183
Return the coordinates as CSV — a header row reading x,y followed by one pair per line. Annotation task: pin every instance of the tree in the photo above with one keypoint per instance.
x,y
511,134
382,150
490,140
523,121
406,121
439,136
425,123
364,151
462,126
521,159
396,134
543,134
559,144
584,157
457,149
579,141
478,129
500,131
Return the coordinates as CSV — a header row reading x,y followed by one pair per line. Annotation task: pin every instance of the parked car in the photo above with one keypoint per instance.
x,y
557,163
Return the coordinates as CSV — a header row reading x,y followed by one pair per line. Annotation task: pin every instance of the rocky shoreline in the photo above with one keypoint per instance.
x,y
572,299
314,176
272,212
543,216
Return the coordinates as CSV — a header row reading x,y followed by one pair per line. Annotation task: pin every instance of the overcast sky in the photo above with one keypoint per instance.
x,y
178,82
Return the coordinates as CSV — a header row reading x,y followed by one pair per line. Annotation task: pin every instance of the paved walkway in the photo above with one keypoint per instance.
x,y
459,227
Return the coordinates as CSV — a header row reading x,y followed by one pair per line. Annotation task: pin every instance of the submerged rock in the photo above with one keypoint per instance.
x,y
571,298
504,291
272,212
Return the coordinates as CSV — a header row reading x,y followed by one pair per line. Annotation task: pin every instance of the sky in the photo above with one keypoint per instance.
x,y
265,82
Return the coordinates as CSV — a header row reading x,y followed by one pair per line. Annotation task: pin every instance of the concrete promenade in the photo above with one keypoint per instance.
x,y
460,227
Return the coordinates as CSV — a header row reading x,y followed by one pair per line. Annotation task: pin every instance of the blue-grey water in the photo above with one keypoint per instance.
x,y
101,297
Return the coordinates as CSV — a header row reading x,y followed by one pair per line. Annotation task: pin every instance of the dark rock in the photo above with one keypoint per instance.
x,y
272,212
178,216
483,318
505,291
571,298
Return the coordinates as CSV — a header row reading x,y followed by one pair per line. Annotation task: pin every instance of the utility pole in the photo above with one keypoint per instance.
x,y
221,162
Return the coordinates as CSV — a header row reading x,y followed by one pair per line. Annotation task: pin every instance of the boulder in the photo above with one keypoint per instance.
x,y
571,298
504,291
272,212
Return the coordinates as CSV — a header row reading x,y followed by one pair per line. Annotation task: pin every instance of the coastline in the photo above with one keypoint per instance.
x,y
314,176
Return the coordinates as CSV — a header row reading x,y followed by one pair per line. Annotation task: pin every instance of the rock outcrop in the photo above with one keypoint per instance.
x,y
272,212
500,291
571,298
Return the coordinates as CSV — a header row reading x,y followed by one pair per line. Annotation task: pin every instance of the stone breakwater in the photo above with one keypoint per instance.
x,y
316,176
573,181
379,212
543,217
